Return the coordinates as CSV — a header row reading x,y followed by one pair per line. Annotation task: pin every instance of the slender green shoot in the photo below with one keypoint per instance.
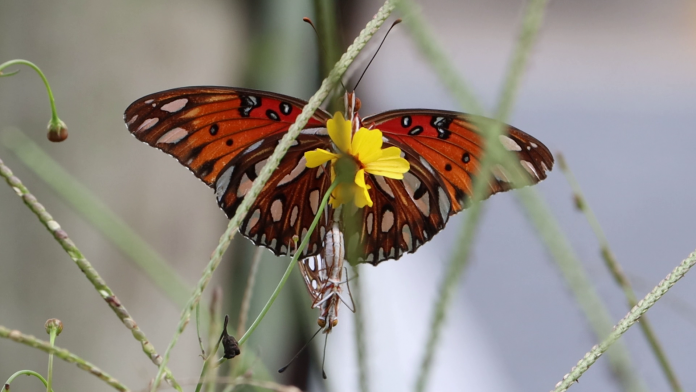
x,y
84,265
53,327
57,130
631,318
618,275
273,162
25,373
63,354
249,290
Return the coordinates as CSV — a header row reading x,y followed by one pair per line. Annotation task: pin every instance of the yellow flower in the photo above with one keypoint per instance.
x,y
354,158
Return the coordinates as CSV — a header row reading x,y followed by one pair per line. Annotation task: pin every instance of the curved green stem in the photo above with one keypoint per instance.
x,y
27,373
55,121
273,162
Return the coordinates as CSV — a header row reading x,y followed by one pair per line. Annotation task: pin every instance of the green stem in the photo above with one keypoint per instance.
x,y
360,343
52,342
618,275
94,211
631,318
286,275
26,373
54,113
63,354
493,154
84,265
249,290
273,162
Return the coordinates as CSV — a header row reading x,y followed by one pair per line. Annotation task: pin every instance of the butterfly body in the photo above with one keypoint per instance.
x,y
323,276
225,136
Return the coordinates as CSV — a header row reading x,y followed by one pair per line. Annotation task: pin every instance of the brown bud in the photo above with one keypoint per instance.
x,y
57,132
54,324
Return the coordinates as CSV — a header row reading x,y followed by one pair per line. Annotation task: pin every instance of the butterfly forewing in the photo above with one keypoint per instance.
x,y
224,135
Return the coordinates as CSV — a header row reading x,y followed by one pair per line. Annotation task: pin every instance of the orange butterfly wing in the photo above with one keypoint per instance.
x,y
444,150
224,136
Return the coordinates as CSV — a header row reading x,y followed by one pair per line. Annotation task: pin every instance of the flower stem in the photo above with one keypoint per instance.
x,y
26,373
273,162
631,318
54,113
618,275
248,291
52,342
84,265
63,354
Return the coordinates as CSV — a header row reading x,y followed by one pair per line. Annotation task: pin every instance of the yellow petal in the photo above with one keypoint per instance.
x,y
340,131
392,167
367,145
318,157
362,196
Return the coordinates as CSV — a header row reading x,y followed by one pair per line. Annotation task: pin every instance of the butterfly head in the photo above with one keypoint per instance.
x,y
352,104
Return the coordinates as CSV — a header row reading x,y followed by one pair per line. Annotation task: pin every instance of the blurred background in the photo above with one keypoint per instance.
x,y
611,84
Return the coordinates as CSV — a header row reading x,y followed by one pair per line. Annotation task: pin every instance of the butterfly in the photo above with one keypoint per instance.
x,y
225,135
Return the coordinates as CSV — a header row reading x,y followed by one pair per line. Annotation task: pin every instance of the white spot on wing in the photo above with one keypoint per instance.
x,y
444,204
509,144
408,239
175,106
253,220
149,101
427,165
132,120
314,201
382,183
293,215
411,184
387,221
534,145
173,136
299,168
530,168
368,223
500,173
244,186
277,210
222,182
147,124
253,147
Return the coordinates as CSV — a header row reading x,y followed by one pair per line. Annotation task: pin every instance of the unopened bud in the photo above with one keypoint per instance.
x,y
57,132
54,324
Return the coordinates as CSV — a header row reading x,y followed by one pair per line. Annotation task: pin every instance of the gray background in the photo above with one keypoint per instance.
x,y
610,84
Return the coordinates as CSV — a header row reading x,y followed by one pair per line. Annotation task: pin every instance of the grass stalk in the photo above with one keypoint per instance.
x,y
631,318
249,291
273,161
618,275
84,265
94,211
493,153
63,354
570,267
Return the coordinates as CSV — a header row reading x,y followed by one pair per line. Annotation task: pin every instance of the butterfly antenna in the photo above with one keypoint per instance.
x,y
396,22
323,359
300,352
321,44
